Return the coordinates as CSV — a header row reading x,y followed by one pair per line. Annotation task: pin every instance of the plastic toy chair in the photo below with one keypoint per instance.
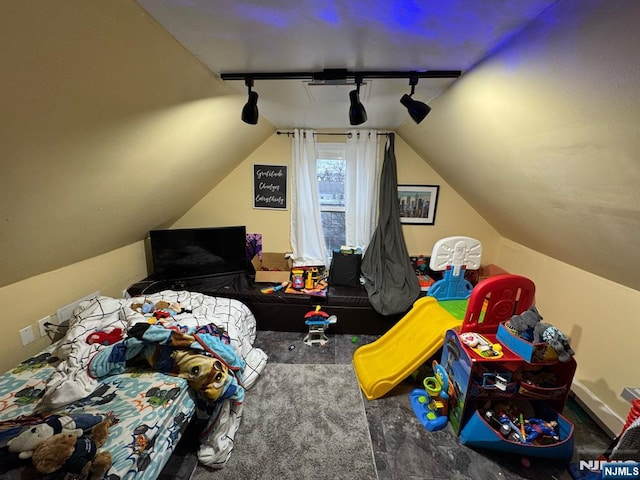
x,y
454,255
495,300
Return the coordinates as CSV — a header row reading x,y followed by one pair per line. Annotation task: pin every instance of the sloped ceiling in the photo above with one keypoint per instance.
x,y
543,137
111,127
540,134
306,35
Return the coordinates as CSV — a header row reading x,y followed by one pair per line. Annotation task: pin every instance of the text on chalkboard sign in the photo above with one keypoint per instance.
x,y
270,186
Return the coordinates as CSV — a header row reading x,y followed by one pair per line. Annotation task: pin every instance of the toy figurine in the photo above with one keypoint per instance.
x,y
536,427
318,321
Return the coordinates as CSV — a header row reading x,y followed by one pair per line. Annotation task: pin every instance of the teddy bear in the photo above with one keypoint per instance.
x,y
77,455
544,332
25,443
522,325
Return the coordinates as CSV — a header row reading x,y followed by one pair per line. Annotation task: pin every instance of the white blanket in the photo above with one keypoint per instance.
x,y
71,381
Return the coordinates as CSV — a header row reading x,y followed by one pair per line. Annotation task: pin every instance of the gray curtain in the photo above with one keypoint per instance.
x,y
391,283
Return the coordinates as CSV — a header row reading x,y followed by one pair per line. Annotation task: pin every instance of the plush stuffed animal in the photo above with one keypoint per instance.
x,y
145,308
29,438
25,443
67,452
522,325
108,336
544,332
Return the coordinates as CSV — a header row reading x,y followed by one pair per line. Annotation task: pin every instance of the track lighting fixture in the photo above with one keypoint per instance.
x,y
250,109
417,110
341,76
357,113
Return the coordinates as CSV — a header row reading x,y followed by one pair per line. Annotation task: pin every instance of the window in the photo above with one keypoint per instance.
x,y
331,170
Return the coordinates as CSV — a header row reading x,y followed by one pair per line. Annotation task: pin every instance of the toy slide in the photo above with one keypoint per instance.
x,y
382,364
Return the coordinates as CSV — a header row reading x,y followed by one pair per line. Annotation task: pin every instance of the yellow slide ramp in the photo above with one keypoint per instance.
x,y
382,364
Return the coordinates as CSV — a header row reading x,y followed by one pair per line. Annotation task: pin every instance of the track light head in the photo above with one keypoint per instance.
x,y
417,110
250,109
357,113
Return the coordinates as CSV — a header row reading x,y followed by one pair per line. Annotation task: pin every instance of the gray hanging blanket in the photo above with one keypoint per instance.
x,y
391,283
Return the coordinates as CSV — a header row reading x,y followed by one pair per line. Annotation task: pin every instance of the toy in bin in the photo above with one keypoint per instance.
x,y
524,431
481,345
318,321
431,405
297,278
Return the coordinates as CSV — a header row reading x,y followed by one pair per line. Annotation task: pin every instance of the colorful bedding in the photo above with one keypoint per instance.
x,y
152,408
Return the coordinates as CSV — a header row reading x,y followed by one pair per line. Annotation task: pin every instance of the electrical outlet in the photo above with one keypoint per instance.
x,y
42,327
26,335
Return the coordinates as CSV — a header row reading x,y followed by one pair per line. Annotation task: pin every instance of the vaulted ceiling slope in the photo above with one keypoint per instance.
x,y
111,127
543,137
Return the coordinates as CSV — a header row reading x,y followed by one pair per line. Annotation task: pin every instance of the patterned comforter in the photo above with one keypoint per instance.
x,y
195,358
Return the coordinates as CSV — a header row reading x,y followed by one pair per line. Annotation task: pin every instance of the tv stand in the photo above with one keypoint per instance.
x,y
279,311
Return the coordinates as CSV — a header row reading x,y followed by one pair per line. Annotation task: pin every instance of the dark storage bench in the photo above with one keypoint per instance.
x,y
283,312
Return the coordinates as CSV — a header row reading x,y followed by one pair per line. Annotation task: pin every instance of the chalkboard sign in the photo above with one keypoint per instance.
x,y
270,186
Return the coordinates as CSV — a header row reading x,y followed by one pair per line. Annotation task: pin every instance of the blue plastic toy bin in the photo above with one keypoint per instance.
x,y
478,433
531,352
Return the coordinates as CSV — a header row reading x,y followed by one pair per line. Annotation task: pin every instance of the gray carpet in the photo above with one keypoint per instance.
x,y
301,422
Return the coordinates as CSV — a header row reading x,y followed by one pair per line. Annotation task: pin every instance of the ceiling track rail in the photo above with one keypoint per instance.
x,y
340,74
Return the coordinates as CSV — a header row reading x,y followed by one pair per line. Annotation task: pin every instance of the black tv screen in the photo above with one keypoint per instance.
x,y
198,252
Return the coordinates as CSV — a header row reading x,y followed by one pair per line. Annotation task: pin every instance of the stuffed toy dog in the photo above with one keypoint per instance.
x,y
522,325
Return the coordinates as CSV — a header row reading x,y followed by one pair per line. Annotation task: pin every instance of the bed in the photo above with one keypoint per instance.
x,y
104,365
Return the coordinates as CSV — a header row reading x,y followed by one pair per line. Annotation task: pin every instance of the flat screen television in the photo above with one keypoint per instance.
x,y
198,252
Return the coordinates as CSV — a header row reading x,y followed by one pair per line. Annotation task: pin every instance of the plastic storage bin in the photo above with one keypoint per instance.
x,y
478,433
531,352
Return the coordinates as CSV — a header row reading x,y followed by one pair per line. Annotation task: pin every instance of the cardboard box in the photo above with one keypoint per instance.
x,y
531,352
273,268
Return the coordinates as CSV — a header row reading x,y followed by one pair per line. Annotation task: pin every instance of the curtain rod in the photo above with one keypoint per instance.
x,y
346,134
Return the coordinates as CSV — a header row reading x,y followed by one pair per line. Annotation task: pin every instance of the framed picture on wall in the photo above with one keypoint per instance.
x,y
417,204
270,186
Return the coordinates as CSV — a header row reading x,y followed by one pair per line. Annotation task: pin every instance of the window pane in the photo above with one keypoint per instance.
x,y
333,228
331,174
331,170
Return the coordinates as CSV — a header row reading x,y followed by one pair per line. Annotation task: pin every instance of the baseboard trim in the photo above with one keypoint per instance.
x,y
606,418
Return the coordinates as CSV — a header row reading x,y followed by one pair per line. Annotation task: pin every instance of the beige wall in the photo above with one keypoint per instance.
x,y
230,203
599,316
454,216
25,302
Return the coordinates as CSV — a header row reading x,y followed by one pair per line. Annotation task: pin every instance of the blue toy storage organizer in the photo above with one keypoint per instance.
x,y
492,302
478,433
